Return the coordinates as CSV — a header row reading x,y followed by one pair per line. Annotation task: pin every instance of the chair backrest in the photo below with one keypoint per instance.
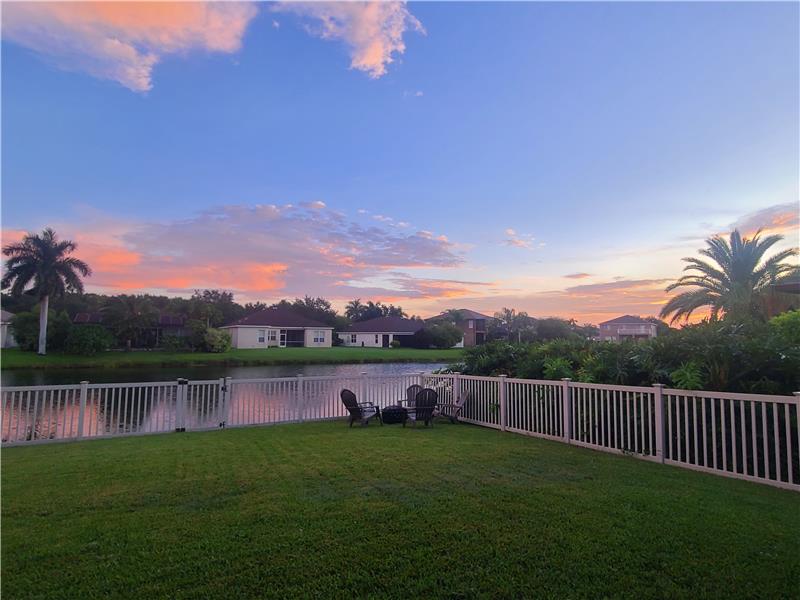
x,y
350,403
411,393
460,402
425,403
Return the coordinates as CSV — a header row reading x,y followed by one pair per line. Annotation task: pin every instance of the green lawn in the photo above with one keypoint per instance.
x,y
17,359
322,510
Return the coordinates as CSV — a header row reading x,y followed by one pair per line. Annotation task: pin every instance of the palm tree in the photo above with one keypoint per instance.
x,y
737,280
354,309
43,260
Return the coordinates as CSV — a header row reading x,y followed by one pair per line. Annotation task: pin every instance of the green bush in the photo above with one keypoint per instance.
x,y
736,357
88,340
216,340
175,343
25,327
395,344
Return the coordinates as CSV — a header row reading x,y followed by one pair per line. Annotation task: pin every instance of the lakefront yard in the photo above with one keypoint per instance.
x,y
319,509
17,359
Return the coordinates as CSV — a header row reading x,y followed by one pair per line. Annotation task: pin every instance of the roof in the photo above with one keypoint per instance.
x,y
465,315
386,325
5,316
277,316
790,285
627,319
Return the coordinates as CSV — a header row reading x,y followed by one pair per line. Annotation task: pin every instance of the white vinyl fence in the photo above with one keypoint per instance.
x,y
747,436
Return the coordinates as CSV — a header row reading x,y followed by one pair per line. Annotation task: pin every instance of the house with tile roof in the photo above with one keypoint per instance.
x,y
380,332
472,324
279,327
627,327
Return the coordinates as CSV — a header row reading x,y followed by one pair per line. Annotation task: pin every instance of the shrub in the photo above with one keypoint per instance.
x,y
689,376
395,344
216,340
25,326
557,367
175,343
89,340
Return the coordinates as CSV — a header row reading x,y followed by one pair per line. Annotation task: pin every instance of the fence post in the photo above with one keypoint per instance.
x,y
301,395
660,432
221,399
180,405
796,397
226,413
566,410
456,387
82,411
362,387
503,402
422,379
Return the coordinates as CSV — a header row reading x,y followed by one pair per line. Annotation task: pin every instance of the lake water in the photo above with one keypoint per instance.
x,y
14,377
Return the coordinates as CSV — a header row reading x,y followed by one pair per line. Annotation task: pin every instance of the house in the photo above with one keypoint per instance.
x,y
279,327
380,332
472,324
6,337
627,327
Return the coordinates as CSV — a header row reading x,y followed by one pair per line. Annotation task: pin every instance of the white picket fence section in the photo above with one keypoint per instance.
x,y
746,436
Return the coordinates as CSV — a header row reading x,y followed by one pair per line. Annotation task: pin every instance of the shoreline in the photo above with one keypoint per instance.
x,y
14,359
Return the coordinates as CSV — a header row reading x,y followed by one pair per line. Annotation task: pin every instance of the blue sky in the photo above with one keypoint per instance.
x,y
524,141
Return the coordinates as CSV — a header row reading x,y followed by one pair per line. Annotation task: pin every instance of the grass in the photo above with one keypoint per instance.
x,y
322,510
17,359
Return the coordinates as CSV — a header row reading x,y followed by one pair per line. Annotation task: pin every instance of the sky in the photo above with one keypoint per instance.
x,y
557,158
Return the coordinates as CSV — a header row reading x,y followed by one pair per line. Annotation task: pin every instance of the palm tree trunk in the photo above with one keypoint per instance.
x,y
43,307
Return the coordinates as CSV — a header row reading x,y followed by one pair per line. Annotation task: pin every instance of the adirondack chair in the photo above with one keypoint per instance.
x,y
359,411
424,407
411,395
453,410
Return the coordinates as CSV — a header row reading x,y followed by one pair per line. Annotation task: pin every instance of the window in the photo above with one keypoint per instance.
x,y
319,337
353,338
471,324
272,335
261,336
376,338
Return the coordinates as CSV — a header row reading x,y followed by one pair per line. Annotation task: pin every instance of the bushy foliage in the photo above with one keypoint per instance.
x,y
216,340
751,357
88,340
25,327
175,343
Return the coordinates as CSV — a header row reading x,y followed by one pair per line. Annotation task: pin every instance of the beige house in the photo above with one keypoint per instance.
x,y
472,324
627,327
380,332
279,327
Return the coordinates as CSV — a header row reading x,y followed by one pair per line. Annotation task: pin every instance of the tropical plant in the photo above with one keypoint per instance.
x,y
217,340
689,376
736,281
43,262
88,340
129,317
25,326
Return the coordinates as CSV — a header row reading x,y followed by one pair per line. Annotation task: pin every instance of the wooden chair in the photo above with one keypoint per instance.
x,y
424,407
411,395
359,411
453,410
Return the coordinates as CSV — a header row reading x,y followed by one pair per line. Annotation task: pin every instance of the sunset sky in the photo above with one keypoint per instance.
x,y
555,158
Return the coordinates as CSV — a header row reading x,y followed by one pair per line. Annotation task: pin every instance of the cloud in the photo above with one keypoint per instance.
x,y
372,31
257,251
123,41
518,240
779,218
578,275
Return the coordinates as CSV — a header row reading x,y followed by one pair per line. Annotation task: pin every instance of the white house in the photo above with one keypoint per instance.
x,y
279,327
6,337
627,327
380,332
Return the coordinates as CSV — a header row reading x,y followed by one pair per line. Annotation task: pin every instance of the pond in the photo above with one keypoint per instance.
x,y
139,374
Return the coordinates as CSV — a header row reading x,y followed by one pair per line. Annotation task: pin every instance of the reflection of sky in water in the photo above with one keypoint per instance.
x,y
73,376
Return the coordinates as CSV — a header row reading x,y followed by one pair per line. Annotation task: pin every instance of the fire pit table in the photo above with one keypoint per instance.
x,y
394,414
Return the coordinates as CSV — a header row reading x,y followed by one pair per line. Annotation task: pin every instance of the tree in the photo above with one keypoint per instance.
x,y
130,316
735,283
45,262
318,309
358,311
354,310
512,325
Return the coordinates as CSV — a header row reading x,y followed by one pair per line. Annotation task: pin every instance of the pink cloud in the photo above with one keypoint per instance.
x,y
372,31
123,41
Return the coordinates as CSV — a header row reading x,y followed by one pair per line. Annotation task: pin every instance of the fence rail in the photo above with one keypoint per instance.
x,y
746,436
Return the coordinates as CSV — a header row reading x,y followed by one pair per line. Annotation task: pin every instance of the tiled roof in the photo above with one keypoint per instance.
x,y
626,319
277,316
465,314
386,325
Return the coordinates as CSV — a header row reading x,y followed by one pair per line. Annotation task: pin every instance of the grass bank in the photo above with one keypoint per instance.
x,y
17,359
451,512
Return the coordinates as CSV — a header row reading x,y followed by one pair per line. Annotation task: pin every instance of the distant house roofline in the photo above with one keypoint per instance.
x,y
386,325
627,319
278,317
